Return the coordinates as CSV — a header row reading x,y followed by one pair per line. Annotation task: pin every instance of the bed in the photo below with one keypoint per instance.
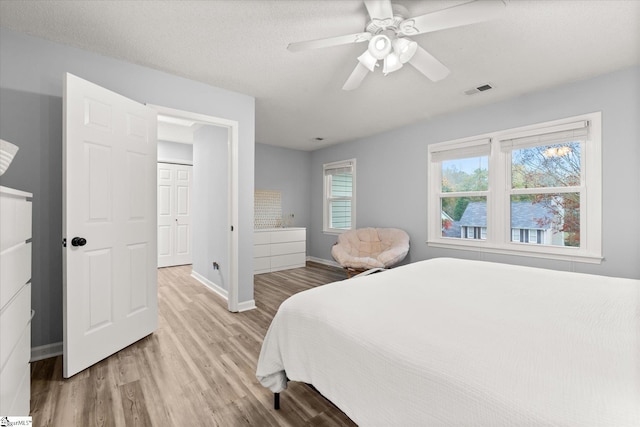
x,y
461,343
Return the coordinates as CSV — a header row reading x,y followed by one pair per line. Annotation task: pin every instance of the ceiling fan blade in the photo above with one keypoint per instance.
x,y
456,16
328,42
428,65
356,77
379,9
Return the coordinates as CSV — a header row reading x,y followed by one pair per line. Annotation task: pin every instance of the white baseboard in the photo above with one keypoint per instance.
x,y
246,305
242,306
46,351
212,286
324,261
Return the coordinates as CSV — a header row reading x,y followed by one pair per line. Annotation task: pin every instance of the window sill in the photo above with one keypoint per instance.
x,y
334,232
524,252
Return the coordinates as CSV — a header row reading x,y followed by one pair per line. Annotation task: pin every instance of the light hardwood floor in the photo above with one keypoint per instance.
x,y
197,369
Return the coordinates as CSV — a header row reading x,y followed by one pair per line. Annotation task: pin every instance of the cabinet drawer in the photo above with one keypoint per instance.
x,y
15,271
261,237
22,402
260,251
15,221
261,265
288,248
281,262
13,321
12,375
288,236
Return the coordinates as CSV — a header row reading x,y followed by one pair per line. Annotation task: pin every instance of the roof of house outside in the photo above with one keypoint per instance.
x,y
523,215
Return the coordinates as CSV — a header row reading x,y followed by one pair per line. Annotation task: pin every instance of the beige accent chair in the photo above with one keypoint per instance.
x,y
366,248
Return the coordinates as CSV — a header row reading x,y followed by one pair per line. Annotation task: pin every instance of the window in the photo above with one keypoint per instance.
x,y
532,191
339,196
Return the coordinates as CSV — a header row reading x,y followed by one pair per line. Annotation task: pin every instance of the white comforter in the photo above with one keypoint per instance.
x,y
465,343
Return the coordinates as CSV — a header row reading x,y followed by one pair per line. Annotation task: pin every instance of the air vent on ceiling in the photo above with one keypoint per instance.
x,y
478,89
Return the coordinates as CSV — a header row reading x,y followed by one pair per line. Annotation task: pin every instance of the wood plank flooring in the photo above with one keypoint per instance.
x,y
197,369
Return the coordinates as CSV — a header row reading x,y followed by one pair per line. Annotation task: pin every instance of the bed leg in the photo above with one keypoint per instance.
x,y
276,401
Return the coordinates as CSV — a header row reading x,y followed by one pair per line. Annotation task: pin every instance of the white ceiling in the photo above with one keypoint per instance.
x,y
240,45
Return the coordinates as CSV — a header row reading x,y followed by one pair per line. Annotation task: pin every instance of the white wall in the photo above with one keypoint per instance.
x,y
392,172
169,150
31,85
210,209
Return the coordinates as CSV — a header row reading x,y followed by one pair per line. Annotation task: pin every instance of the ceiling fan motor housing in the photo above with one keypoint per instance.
x,y
377,26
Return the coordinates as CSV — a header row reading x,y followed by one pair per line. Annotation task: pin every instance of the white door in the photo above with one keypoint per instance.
x,y
109,222
174,214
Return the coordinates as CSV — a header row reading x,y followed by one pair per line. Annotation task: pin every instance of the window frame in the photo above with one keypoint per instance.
x,y
326,204
499,193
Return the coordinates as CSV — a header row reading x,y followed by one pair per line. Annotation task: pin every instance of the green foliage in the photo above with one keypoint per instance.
x,y
454,180
460,207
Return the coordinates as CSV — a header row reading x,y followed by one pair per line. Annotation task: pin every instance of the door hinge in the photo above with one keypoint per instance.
x,y
232,228
64,243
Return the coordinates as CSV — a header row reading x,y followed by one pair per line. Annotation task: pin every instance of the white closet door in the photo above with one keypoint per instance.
x,y
174,214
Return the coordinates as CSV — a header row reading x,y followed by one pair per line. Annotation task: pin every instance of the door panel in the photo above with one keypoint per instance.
x,y
110,283
100,288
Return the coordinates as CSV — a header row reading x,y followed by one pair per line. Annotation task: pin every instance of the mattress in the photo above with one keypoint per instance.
x,y
464,343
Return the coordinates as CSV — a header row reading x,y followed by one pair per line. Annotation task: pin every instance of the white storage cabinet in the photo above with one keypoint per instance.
x,y
277,249
15,302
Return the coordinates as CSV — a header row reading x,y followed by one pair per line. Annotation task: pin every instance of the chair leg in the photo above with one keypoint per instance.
x,y
276,401
353,272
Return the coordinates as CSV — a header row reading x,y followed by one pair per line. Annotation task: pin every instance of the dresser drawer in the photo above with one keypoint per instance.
x,y
260,251
261,265
22,403
288,236
288,248
261,237
15,271
282,262
15,221
13,396
13,320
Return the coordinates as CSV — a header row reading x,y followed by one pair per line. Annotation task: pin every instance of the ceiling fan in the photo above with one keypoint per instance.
x,y
387,33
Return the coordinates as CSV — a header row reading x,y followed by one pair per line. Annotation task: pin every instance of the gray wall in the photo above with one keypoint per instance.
x,y
287,171
209,207
31,84
392,173
37,168
169,150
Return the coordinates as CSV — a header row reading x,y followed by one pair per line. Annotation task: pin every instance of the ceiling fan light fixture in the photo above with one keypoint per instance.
x,y
368,60
405,49
379,46
391,63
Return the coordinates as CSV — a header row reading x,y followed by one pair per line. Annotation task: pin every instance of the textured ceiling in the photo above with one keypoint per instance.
x,y
240,45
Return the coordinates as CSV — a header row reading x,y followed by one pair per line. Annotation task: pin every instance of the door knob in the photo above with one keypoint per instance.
x,y
78,241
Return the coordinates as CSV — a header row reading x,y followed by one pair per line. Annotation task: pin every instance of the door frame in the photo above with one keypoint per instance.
x,y
232,202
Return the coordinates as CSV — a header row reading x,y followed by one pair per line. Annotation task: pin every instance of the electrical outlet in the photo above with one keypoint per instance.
x,y
216,266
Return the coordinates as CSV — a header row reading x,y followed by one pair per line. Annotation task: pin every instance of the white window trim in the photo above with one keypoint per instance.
x,y
498,210
325,202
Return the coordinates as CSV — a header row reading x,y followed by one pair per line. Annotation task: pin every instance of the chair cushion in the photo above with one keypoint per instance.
x,y
365,248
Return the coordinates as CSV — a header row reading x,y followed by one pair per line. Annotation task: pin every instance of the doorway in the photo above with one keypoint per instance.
x,y
214,199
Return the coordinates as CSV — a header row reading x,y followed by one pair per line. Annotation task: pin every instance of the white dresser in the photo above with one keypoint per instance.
x,y
15,302
279,249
